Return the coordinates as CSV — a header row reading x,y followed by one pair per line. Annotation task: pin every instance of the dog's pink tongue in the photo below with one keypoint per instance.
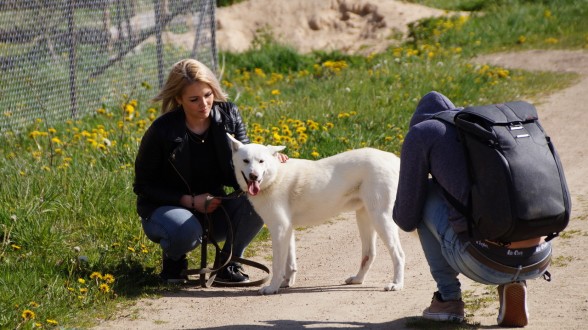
x,y
253,188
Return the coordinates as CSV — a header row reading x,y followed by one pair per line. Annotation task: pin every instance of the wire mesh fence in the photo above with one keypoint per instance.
x,y
62,59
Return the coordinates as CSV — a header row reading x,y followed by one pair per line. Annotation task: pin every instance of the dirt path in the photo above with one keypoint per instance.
x,y
327,254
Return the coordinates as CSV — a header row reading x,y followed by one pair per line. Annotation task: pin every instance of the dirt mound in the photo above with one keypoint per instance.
x,y
351,26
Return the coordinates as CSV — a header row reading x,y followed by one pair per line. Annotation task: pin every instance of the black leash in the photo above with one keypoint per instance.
x,y
208,275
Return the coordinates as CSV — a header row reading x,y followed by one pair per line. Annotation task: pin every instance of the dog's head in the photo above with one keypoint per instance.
x,y
256,165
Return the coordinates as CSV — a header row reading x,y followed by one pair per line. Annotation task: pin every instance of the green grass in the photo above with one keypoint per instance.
x,y
67,210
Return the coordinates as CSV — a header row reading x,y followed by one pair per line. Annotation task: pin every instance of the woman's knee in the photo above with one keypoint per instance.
x,y
187,236
176,229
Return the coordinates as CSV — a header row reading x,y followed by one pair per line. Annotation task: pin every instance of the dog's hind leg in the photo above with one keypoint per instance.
x,y
282,236
388,232
367,234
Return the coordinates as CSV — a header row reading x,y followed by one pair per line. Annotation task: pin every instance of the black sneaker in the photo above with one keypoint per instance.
x,y
172,270
231,273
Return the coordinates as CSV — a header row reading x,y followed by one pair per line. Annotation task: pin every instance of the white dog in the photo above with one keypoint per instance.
x,y
303,192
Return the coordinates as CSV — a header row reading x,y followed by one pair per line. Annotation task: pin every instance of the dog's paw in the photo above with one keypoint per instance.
x,y
268,290
353,280
394,287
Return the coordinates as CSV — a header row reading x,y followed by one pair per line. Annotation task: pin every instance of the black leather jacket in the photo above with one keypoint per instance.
x,y
162,166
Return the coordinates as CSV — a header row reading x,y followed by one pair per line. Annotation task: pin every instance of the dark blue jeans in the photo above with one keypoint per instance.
x,y
178,231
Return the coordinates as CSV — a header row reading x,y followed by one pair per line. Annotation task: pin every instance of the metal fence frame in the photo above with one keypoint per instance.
x,y
63,59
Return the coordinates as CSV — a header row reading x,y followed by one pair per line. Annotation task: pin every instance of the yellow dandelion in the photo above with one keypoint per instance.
x,y
315,154
258,139
129,109
104,288
96,275
108,278
551,41
130,248
259,72
302,138
51,322
83,290
502,73
81,281
15,247
276,137
28,314
275,92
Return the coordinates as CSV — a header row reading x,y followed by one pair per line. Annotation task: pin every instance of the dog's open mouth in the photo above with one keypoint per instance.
x,y
252,185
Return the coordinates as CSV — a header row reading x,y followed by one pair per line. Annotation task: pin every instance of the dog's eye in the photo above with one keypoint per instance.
x,y
246,161
261,161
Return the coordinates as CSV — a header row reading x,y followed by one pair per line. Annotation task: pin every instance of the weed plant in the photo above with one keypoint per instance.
x,y
72,247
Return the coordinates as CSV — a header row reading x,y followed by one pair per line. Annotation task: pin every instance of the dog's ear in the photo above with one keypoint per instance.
x,y
235,144
275,149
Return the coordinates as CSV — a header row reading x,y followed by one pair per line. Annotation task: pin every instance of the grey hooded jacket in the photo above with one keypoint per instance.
x,y
430,148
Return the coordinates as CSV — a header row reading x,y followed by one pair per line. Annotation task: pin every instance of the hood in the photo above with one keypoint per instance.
x,y
432,103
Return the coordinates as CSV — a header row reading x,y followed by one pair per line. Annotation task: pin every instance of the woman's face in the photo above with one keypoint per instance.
x,y
197,99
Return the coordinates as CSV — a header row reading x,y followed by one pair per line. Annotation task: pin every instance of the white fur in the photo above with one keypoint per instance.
x,y
303,192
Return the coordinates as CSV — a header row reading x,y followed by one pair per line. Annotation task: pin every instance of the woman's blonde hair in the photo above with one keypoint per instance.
x,y
182,74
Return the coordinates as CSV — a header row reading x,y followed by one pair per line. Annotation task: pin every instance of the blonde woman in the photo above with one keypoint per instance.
x,y
183,163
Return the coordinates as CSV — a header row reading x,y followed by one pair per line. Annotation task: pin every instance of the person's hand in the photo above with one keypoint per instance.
x,y
199,202
208,201
282,157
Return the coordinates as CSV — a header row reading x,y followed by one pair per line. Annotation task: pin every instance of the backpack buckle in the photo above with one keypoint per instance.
x,y
515,126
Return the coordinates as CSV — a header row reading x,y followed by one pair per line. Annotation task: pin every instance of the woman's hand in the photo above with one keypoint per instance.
x,y
282,157
199,202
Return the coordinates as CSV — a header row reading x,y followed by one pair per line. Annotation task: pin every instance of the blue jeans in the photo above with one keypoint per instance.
x,y
178,231
447,256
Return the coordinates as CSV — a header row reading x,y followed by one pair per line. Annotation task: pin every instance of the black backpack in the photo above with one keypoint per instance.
x,y
518,186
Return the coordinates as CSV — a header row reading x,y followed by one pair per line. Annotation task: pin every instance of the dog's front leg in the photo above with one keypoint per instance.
x,y
281,233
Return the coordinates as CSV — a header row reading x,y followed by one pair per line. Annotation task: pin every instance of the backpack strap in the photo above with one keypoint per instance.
x,y
446,116
465,210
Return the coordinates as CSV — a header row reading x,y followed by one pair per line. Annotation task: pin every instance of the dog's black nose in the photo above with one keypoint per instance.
x,y
252,177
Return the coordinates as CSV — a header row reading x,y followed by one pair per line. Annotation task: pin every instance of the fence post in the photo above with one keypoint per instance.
x,y
72,57
213,36
159,44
